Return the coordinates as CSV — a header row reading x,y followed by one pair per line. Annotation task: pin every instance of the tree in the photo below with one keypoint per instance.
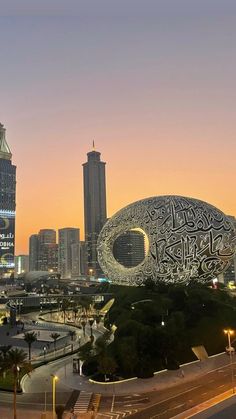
x,y
72,334
85,351
98,319
91,321
75,311
102,342
15,361
106,365
64,307
86,304
55,336
83,323
4,349
127,356
30,338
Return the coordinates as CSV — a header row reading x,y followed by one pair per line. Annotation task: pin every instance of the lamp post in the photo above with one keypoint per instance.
x,y
54,379
229,333
44,353
90,273
45,396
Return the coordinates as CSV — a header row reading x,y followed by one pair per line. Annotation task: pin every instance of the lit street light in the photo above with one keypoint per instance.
x,y
229,333
44,353
54,379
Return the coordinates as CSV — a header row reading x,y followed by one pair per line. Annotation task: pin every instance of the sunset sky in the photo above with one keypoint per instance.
x,y
152,82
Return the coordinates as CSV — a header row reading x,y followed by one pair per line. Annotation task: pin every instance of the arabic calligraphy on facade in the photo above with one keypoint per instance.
x,y
188,239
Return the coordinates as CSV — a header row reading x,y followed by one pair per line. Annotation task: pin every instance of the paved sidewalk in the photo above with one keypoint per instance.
x,y
7,413
161,380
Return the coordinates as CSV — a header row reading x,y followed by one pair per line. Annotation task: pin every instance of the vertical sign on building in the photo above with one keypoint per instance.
x,y
7,206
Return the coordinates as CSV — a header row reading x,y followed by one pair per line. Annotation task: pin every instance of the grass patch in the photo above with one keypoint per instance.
x,y
7,382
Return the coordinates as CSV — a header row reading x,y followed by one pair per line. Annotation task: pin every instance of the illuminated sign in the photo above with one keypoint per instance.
x,y
7,239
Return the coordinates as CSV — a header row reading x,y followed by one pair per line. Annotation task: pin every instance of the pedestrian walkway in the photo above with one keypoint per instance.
x,y
83,402
161,380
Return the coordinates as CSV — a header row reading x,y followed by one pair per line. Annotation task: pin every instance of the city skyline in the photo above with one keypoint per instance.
x,y
152,85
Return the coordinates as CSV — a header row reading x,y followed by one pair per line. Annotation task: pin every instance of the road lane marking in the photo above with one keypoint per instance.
x,y
173,397
144,399
158,415
113,402
176,407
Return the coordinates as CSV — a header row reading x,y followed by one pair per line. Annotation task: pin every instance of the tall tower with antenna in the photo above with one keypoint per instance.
x,y
95,212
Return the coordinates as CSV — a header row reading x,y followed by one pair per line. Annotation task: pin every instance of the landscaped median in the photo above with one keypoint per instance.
x,y
7,383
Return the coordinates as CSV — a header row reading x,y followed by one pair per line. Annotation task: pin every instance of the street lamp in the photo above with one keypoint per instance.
x,y
90,273
54,379
44,353
229,333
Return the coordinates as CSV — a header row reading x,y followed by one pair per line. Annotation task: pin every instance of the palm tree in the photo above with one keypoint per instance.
x,y
83,323
64,307
29,338
16,360
3,352
91,321
55,336
72,334
86,302
98,319
75,311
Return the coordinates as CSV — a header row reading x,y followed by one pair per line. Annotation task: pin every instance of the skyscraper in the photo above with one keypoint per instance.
x,y
83,258
47,251
66,257
21,264
95,213
75,260
7,205
43,251
33,252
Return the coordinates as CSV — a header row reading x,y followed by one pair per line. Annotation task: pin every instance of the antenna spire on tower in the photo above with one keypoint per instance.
x,y
93,145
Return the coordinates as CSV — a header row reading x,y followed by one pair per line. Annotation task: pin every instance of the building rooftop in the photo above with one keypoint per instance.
x,y
5,152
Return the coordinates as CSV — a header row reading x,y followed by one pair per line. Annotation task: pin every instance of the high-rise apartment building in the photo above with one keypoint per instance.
x,y
75,260
33,252
129,248
68,252
7,205
43,251
95,213
48,251
21,264
83,259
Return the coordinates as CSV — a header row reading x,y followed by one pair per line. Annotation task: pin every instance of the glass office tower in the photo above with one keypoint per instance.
x,y
7,206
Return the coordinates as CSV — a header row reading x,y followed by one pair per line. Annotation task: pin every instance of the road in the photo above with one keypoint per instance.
x,y
223,410
168,403
162,404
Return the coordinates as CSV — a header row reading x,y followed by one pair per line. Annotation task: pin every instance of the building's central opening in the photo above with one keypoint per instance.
x,y
131,247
